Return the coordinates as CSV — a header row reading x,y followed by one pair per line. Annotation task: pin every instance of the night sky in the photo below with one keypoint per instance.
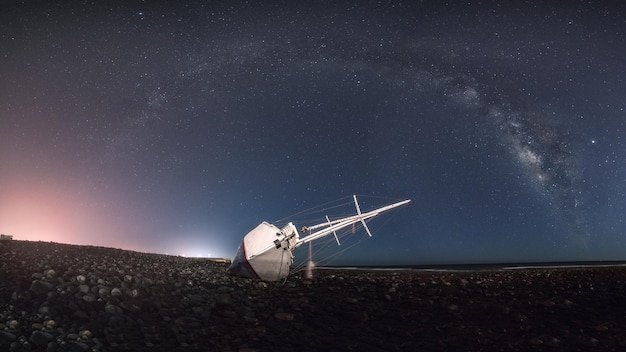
x,y
174,127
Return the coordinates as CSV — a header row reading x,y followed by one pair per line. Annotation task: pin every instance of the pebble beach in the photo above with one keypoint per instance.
x,y
59,297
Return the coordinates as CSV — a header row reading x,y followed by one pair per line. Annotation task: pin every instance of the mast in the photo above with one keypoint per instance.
x,y
333,226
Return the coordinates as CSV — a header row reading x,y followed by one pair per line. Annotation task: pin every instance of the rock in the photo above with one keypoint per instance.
x,y
37,276
89,298
40,287
115,292
40,338
535,341
229,314
104,292
188,321
112,309
360,316
6,338
225,289
223,299
44,310
601,327
83,288
52,296
85,334
284,316
81,279
50,324
79,346
131,306
352,300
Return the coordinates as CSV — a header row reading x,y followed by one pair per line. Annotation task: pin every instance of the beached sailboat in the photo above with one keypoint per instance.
x,y
266,252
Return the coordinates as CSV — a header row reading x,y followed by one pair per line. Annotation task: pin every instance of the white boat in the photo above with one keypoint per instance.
x,y
266,252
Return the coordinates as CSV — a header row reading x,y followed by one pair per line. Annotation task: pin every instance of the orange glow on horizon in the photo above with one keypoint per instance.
x,y
37,211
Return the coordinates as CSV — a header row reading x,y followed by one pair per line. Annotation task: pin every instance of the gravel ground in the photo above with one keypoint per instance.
x,y
57,297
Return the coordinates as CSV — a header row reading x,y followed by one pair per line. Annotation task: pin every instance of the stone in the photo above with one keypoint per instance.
x,y
131,306
104,292
6,338
89,298
41,338
52,296
360,316
37,276
284,316
50,324
535,341
188,321
84,334
83,288
79,346
223,299
40,287
44,310
351,300
112,309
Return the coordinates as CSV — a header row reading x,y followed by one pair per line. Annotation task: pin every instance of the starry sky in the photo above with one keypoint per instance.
x,y
177,126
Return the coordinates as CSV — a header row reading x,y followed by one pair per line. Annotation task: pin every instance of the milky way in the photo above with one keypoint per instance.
x,y
178,128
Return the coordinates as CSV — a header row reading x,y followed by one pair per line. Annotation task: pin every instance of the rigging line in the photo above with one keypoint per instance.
x,y
378,197
315,207
329,258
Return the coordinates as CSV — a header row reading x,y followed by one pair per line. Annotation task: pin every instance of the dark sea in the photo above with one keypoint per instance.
x,y
482,266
